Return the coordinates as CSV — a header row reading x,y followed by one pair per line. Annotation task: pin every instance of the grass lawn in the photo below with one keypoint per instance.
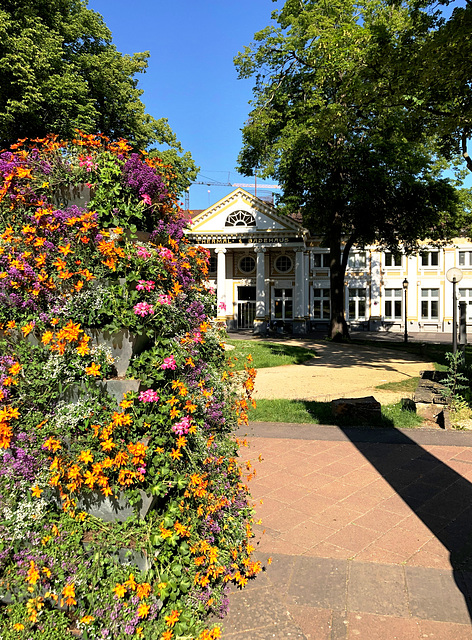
x,y
304,411
267,354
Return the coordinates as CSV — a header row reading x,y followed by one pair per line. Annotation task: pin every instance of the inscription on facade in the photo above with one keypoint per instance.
x,y
215,239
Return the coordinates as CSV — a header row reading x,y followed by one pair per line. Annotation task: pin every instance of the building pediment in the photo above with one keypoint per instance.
x,y
241,213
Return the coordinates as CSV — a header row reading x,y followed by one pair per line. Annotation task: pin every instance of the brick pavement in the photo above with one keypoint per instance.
x,y
369,531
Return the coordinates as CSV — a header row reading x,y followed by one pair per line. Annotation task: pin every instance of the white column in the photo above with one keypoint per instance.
x,y
306,307
299,284
221,283
260,284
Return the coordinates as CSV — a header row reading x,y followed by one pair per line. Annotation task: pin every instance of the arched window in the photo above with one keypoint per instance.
x,y
240,219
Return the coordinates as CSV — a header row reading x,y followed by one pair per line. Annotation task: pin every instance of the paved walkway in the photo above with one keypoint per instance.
x,y
369,532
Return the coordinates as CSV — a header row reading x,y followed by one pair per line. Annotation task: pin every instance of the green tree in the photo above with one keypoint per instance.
x,y
440,82
327,124
60,71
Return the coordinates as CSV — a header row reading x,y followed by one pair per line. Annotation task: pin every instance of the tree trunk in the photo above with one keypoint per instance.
x,y
338,260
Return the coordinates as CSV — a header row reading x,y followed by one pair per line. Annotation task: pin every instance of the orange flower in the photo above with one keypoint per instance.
x,y
93,369
85,456
120,590
33,574
131,582
65,250
143,590
69,593
83,349
52,444
172,618
143,610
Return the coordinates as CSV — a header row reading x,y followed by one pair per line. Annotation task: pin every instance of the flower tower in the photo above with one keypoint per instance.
x,y
123,512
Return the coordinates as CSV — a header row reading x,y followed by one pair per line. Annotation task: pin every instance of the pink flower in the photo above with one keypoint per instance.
x,y
222,306
181,428
143,309
169,363
197,337
166,253
164,299
143,253
148,396
147,285
145,198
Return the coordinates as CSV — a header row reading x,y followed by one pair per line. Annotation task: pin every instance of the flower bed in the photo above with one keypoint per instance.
x,y
73,437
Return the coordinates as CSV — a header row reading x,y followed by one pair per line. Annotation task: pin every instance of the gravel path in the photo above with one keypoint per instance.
x,y
340,370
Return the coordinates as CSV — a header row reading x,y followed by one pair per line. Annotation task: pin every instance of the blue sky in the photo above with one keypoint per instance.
x,y
191,79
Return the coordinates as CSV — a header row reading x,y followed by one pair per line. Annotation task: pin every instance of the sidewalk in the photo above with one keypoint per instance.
x,y
369,531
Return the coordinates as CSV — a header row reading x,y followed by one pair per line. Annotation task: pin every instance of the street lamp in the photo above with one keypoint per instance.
x,y
405,289
454,275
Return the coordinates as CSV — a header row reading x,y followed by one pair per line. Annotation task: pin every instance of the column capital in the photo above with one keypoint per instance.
x,y
260,249
220,250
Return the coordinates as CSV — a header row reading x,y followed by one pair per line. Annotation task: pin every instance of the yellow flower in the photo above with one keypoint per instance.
x,y
18,626
36,491
87,619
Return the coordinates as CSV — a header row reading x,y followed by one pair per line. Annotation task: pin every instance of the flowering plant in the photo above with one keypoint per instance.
x,y
123,511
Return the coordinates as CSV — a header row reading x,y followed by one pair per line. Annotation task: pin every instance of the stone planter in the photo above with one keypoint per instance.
x,y
114,509
123,344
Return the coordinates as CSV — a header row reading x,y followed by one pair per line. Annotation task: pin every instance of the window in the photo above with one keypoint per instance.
x,y
283,304
392,259
321,304
465,258
430,258
247,264
393,304
240,219
357,306
321,260
283,264
213,264
466,296
357,260
430,304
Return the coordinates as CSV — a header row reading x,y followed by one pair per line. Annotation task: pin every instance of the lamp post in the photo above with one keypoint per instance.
x,y
454,275
405,289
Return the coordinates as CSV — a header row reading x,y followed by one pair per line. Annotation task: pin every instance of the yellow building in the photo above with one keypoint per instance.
x,y
269,272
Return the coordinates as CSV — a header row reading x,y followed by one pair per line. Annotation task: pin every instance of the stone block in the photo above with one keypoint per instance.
x,y
357,409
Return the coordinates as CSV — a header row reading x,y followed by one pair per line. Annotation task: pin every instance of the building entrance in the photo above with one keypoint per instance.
x,y
246,307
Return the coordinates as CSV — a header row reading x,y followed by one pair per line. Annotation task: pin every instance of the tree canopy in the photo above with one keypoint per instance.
x,y
330,121
60,72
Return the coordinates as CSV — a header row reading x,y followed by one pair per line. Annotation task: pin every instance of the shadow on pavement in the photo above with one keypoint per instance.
x,y
437,494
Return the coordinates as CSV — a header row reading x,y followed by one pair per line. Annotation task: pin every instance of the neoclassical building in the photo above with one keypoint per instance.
x,y
269,271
